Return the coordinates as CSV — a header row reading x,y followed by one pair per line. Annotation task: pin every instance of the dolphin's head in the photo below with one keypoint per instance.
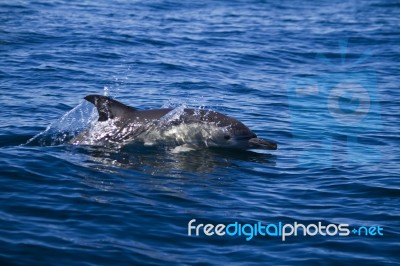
x,y
239,136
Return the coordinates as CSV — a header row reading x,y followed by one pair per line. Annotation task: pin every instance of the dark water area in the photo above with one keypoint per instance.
x,y
321,79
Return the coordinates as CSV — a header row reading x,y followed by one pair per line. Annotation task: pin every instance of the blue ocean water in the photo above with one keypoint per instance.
x,y
321,79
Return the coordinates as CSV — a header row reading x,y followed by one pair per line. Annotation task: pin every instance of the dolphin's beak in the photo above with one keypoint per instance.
x,y
262,144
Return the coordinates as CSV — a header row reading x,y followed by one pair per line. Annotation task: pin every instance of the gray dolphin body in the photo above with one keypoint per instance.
x,y
119,123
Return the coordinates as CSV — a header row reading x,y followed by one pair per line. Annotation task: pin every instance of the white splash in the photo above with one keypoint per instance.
x,y
66,127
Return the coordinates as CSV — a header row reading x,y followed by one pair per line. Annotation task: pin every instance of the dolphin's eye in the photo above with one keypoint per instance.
x,y
227,137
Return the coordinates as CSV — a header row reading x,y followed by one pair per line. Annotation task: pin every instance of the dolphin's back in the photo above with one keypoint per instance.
x,y
109,109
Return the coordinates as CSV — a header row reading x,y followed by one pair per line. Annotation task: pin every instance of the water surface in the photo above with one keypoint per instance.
x,y
272,66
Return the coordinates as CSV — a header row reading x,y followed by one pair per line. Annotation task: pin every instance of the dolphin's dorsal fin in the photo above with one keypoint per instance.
x,y
109,108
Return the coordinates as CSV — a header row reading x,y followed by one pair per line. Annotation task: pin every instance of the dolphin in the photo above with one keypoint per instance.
x,y
118,123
